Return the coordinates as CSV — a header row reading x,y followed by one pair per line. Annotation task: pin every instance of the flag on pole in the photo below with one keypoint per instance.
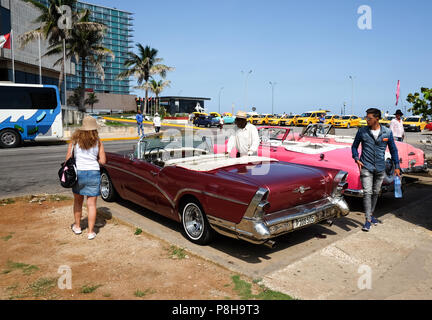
x,y
5,41
398,92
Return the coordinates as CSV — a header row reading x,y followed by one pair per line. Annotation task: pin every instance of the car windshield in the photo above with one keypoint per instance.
x,y
346,118
172,145
412,119
268,134
390,118
306,114
291,117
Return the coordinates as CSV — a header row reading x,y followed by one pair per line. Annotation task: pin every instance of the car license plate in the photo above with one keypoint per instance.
x,y
298,223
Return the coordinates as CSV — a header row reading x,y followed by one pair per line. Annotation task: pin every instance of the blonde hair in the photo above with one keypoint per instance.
x,y
85,139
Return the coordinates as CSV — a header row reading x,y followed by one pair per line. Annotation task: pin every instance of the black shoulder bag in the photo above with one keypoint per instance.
x,y
68,174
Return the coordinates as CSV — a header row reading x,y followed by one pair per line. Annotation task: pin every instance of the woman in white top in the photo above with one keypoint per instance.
x,y
89,154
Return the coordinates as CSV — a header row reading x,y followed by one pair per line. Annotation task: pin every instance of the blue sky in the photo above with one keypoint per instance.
x,y
309,48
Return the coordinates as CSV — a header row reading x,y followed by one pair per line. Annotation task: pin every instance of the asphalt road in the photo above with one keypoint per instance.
x,y
33,168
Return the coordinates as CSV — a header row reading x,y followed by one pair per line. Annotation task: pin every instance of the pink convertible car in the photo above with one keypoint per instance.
x,y
412,159
325,152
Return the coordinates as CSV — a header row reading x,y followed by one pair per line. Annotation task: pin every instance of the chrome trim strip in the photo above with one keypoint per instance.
x,y
144,179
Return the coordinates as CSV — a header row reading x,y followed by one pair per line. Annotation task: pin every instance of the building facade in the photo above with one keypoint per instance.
x,y
19,16
174,105
118,39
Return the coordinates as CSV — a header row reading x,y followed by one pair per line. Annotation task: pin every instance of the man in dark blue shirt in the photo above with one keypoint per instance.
x,y
322,122
374,140
139,120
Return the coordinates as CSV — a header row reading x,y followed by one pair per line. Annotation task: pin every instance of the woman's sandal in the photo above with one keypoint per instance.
x,y
77,231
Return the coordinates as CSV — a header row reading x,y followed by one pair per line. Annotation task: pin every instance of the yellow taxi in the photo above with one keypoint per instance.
x,y
363,123
414,123
331,119
215,114
386,121
293,121
253,119
288,120
310,117
263,119
347,122
275,120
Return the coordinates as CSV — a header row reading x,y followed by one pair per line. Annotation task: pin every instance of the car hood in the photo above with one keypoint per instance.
x,y
289,184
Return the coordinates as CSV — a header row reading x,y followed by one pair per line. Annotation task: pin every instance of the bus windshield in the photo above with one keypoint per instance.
x,y
29,112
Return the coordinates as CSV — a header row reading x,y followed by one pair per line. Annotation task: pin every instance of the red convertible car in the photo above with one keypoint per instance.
x,y
250,198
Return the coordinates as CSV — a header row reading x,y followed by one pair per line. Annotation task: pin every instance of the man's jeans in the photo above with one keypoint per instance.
x,y
372,182
140,129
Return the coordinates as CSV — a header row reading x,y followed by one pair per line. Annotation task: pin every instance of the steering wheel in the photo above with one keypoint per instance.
x,y
154,156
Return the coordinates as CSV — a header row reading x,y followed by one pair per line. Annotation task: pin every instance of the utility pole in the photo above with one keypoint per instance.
x,y
272,85
220,91
352,95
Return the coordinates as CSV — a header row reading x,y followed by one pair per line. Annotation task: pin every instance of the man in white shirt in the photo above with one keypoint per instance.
x,y
245,139
157,122
396,126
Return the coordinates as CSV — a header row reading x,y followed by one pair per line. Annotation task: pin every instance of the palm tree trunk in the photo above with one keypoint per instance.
x,y
83,84
146,101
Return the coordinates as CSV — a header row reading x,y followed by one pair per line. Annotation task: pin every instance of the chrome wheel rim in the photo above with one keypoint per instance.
x,y
8,138
193,221
104,186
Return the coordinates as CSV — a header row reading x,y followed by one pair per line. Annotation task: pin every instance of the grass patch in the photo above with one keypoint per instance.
x,y
177,253
27,269
42,286
7,201
140,294
244,290
7,238
107,295
138,231
116,124
89,288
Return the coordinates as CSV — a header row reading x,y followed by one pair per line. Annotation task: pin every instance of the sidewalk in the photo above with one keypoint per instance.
x,y
397,253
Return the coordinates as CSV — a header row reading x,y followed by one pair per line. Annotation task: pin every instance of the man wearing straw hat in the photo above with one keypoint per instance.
x,y
245,139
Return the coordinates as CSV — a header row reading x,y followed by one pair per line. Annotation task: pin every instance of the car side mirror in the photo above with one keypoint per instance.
x,y
131,156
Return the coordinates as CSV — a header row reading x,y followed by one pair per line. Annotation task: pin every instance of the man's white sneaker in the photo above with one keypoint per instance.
x,y
91,236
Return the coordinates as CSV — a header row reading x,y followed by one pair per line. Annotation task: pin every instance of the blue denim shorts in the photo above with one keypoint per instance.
x,y
88,183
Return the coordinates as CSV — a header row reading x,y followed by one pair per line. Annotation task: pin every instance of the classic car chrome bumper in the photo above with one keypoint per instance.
x,y
258,228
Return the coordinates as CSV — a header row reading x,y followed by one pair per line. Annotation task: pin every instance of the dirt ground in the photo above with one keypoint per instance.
x,y
38,251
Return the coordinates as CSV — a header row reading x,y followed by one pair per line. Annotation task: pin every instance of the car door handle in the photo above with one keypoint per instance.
x,y
154,173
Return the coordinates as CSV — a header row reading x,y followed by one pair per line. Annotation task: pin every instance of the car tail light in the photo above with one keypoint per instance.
x,y
340,184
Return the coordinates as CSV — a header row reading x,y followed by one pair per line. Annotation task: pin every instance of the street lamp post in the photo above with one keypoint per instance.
x,y
272,85
220,92
352,95
246,76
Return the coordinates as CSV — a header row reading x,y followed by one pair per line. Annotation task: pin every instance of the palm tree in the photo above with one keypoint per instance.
x,y
49,28
156,87
92,100
143,66
84,46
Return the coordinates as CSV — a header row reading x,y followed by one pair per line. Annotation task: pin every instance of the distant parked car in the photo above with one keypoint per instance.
x,y
206,121
414,123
